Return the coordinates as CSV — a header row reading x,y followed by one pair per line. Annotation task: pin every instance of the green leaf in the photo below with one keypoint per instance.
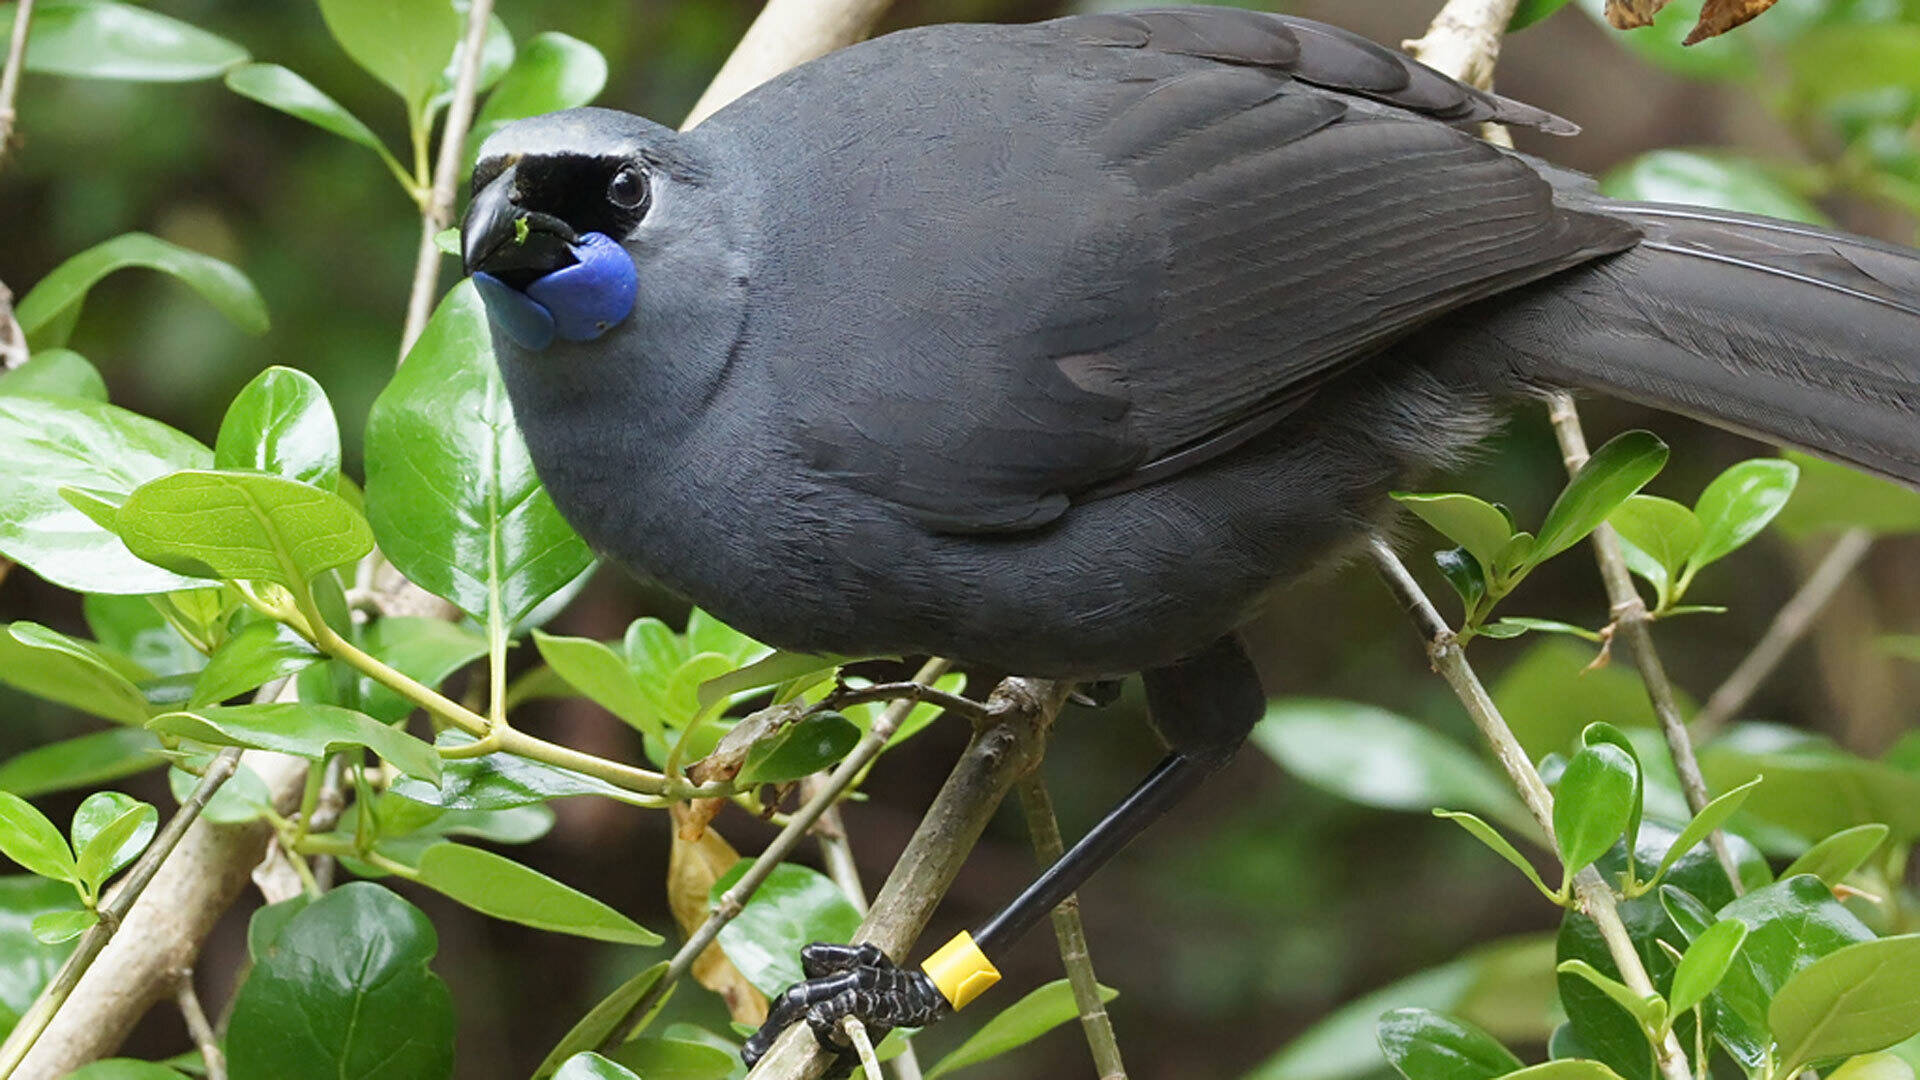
x,y
1487,835
1739,503
1657,536
281,423
1514,625
1532,11
1648,1010
1593,803
344,991
1832,859
278,88
1705,963
47,313
133,627
55,373
551,72
269,922
1378,758
1885,1065
773,669
1565,1069
79,674
1857,999
451,491
496,56
403,43
53,443
242,527
794,908
243,798
258,654
424,649
28,838
1425,1045
800,749
55,927
26,964
591,1066
1813,788
1711,817
601,674
600,1021
1463,572
110,830
1614,472
86,761
500,781
1601,733
308,731
1790,925
101,40
1722,181
1017,1025
126,1069
497,886
1841,60
1473,524
656,1058
1830,497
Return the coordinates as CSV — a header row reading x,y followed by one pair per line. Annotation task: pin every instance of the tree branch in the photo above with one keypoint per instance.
x,y
787,33
1464,39
1071,933
10,75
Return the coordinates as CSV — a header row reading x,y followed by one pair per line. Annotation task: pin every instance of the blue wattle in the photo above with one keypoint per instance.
x,y
593,295
525,321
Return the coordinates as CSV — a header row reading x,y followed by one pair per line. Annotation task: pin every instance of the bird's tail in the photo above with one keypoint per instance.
x,y
1785,332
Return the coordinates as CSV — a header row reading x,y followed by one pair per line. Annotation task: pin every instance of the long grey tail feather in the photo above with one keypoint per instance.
x,y
1785,332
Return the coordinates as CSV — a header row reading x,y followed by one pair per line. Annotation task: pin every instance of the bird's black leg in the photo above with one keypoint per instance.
x,y
1204,706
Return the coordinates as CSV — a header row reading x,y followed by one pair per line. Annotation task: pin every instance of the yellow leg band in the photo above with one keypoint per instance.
x,y
961,970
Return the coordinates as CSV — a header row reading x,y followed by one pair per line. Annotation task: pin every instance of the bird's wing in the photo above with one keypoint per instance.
x,y
1081,256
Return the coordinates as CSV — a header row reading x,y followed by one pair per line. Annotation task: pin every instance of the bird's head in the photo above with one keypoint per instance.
x,y
558,203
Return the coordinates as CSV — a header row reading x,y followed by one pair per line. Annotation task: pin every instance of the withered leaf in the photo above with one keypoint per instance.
x,y
693,866
1628,14
1720,16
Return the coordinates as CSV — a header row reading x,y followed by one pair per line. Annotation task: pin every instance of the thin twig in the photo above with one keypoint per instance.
x,y
199,1029
10,75
733,900
907,691
1792,622
112,913
1464,39
1071,933
1596,898
1003,749
436,208
1632,625
862,1045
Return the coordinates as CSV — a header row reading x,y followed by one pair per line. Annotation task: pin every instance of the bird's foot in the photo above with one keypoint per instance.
x,y
843,981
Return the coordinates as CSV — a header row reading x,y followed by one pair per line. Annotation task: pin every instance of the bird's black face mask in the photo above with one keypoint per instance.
x,y
539,240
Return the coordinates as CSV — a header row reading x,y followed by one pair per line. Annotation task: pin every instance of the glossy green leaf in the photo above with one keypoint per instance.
x,y
55,373
1425,1045
600,1021
1832,859
802,749
47,313
403,43
551,72
1514,626
500,781
27,964
773,669
242,526
79,674
591,1066
94,39
1648,1010
260,653
794,908
664,1058
1529,12
1463,572
1491,837
1892,1064
1602,733
1830,497
1705,963
1473,524
1739,503
1615,471
1722,181
1593,803
1790,925
55,927
1567,1069
1378,758
1657,536
1857,999
451,491
600,673
28,838
282,423
424,649
54,443
1025,1020
278,88
133,627
125,1069
344,991
308,731
1711,817
82,762
243,798
497,886
1814,788
110,830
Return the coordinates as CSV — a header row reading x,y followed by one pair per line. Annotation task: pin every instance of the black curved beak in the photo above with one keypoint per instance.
x,y
516,245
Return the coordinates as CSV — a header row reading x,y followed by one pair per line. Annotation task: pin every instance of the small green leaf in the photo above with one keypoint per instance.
x,y
794,908
54,927
55,373
771,670
1018,1024
501,781
1487,835
595,670
1614,472
1831,497
278,88
1705,963
1475,525
1710,817
1602,733
92,39
28,838
308,731
1463,572
1876,1066
47,313
242,527
1839,60
1565,1069
1855,1000
1739,503
1658,536
1648,1010
281,423
800,749
80,674
496,885
1513,626
258,654
551,72
1425,1045
600,1021
1593,804
1832,859
403,43
1529,12
590,1066
85,761
659,1058
110,830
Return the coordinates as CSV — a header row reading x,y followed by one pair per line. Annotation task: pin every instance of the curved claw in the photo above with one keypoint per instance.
x,y
843,981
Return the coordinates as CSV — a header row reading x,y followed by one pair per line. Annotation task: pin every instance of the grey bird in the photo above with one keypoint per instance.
x,y
1059,348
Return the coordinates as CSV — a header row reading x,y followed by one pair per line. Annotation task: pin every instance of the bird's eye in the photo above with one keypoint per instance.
x,y
627,189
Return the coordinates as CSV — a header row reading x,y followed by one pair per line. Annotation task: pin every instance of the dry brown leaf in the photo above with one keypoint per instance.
x,y
1720,16
692,867
1629,14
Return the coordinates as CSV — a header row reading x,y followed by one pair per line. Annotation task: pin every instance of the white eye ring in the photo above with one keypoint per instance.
x,y
627,189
